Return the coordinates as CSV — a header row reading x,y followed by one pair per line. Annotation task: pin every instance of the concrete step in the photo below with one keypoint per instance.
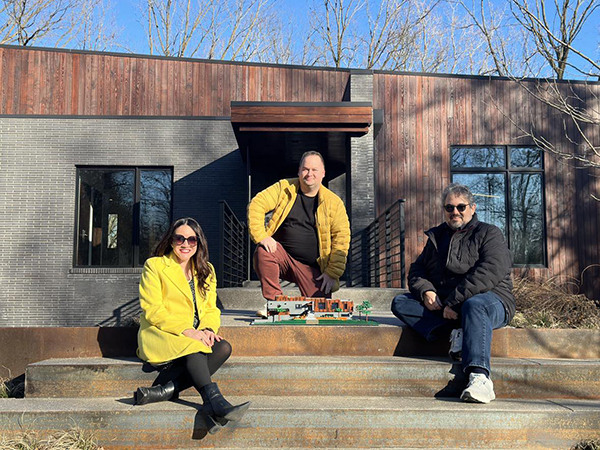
x,y
327,376
316,422
250,298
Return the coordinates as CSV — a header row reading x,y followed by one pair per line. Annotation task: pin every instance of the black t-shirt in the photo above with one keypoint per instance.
x,y
298,232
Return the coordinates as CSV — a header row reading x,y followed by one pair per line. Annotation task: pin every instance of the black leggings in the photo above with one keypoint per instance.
x,y
195,369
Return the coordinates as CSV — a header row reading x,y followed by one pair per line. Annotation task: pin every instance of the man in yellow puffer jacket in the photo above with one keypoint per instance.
x,y
306,240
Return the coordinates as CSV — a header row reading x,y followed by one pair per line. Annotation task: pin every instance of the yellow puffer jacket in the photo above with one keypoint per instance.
x,y
168,309
333,228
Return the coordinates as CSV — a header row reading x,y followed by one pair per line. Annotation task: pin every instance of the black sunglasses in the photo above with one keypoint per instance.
x,y
179,240
460,208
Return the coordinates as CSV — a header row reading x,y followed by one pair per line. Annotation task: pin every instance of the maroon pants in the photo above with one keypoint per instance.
x,y
271,267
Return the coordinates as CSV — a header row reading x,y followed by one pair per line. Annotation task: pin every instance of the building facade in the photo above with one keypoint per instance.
x,y
99,151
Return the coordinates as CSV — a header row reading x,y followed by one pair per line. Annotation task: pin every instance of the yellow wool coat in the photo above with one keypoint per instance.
x,y
333,227
168,309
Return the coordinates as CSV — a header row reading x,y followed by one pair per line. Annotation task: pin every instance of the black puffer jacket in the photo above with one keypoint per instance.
x,y
478,261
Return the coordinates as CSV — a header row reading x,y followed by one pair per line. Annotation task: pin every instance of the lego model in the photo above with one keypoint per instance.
x,y
306,309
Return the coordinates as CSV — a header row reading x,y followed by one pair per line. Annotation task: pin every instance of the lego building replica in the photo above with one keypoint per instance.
x,y
306,309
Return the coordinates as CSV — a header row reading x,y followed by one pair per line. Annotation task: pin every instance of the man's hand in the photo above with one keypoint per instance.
x,y
449,313
327,284
431,301
269,244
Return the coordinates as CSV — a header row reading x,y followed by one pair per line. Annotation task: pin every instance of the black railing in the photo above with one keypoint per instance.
x,y
125,315
377,252
234,261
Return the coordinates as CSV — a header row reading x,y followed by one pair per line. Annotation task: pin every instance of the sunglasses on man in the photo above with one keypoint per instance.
x,y
461,207
180,240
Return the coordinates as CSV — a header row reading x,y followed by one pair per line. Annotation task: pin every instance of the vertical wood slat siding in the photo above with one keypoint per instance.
x,y
433,113
70,83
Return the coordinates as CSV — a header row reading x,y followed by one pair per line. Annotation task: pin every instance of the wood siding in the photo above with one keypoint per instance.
x,y
425,115
71,83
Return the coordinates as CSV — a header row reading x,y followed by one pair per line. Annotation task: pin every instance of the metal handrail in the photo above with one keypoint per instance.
x,y
377,253
234,259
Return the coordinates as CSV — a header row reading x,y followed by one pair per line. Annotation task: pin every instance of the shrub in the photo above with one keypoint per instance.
x,y
550,304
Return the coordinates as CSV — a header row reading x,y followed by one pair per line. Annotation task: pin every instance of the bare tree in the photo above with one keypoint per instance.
x,y
544,35
333,22
550,29
27,21
238,28
93,27
388,29
448,43
578,106
287,42
555,30
173,25
230,29
508,47
387,39
434,38
61,23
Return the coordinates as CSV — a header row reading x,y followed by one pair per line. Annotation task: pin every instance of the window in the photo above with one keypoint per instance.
x,y
508,185
121,214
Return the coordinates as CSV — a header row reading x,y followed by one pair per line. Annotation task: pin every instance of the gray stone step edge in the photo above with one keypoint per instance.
x,y
318,422
388,376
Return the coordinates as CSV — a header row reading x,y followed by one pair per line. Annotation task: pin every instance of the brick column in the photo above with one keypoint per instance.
x,y
360,192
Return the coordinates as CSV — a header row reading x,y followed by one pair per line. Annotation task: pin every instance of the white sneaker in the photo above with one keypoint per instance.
x,y
479,390
456,338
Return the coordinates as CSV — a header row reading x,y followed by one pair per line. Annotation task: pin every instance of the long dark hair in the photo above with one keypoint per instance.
x,y
199,260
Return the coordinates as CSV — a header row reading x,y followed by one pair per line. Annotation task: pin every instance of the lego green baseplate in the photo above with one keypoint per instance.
x,y
322,322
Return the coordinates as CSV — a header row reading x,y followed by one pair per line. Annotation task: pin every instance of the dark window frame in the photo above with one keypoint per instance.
x,y
507,170
136,216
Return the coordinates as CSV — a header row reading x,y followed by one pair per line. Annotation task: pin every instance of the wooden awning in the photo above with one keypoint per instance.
x,y
351,117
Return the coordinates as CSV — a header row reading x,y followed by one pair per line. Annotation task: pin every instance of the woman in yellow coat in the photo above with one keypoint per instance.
x,y
180,322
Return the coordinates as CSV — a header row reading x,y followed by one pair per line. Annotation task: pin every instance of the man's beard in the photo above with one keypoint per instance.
x,y
455,225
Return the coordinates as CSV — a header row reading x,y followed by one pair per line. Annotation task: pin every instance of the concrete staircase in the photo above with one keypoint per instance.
x,y
329,387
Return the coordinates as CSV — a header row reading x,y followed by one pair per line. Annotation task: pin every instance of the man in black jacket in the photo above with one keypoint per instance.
x,y
461,283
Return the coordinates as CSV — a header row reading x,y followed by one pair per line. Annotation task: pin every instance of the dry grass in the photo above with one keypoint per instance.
x,y
550,304
73,439
4,389
593,444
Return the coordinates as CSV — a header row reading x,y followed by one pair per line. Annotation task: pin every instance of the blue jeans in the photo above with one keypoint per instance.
x,y
478,316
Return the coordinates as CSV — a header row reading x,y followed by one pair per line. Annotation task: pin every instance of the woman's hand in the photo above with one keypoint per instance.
x,y
207,337
212,336
199,335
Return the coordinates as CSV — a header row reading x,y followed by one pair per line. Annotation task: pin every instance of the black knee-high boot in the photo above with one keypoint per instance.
x,y
154,394
217,411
